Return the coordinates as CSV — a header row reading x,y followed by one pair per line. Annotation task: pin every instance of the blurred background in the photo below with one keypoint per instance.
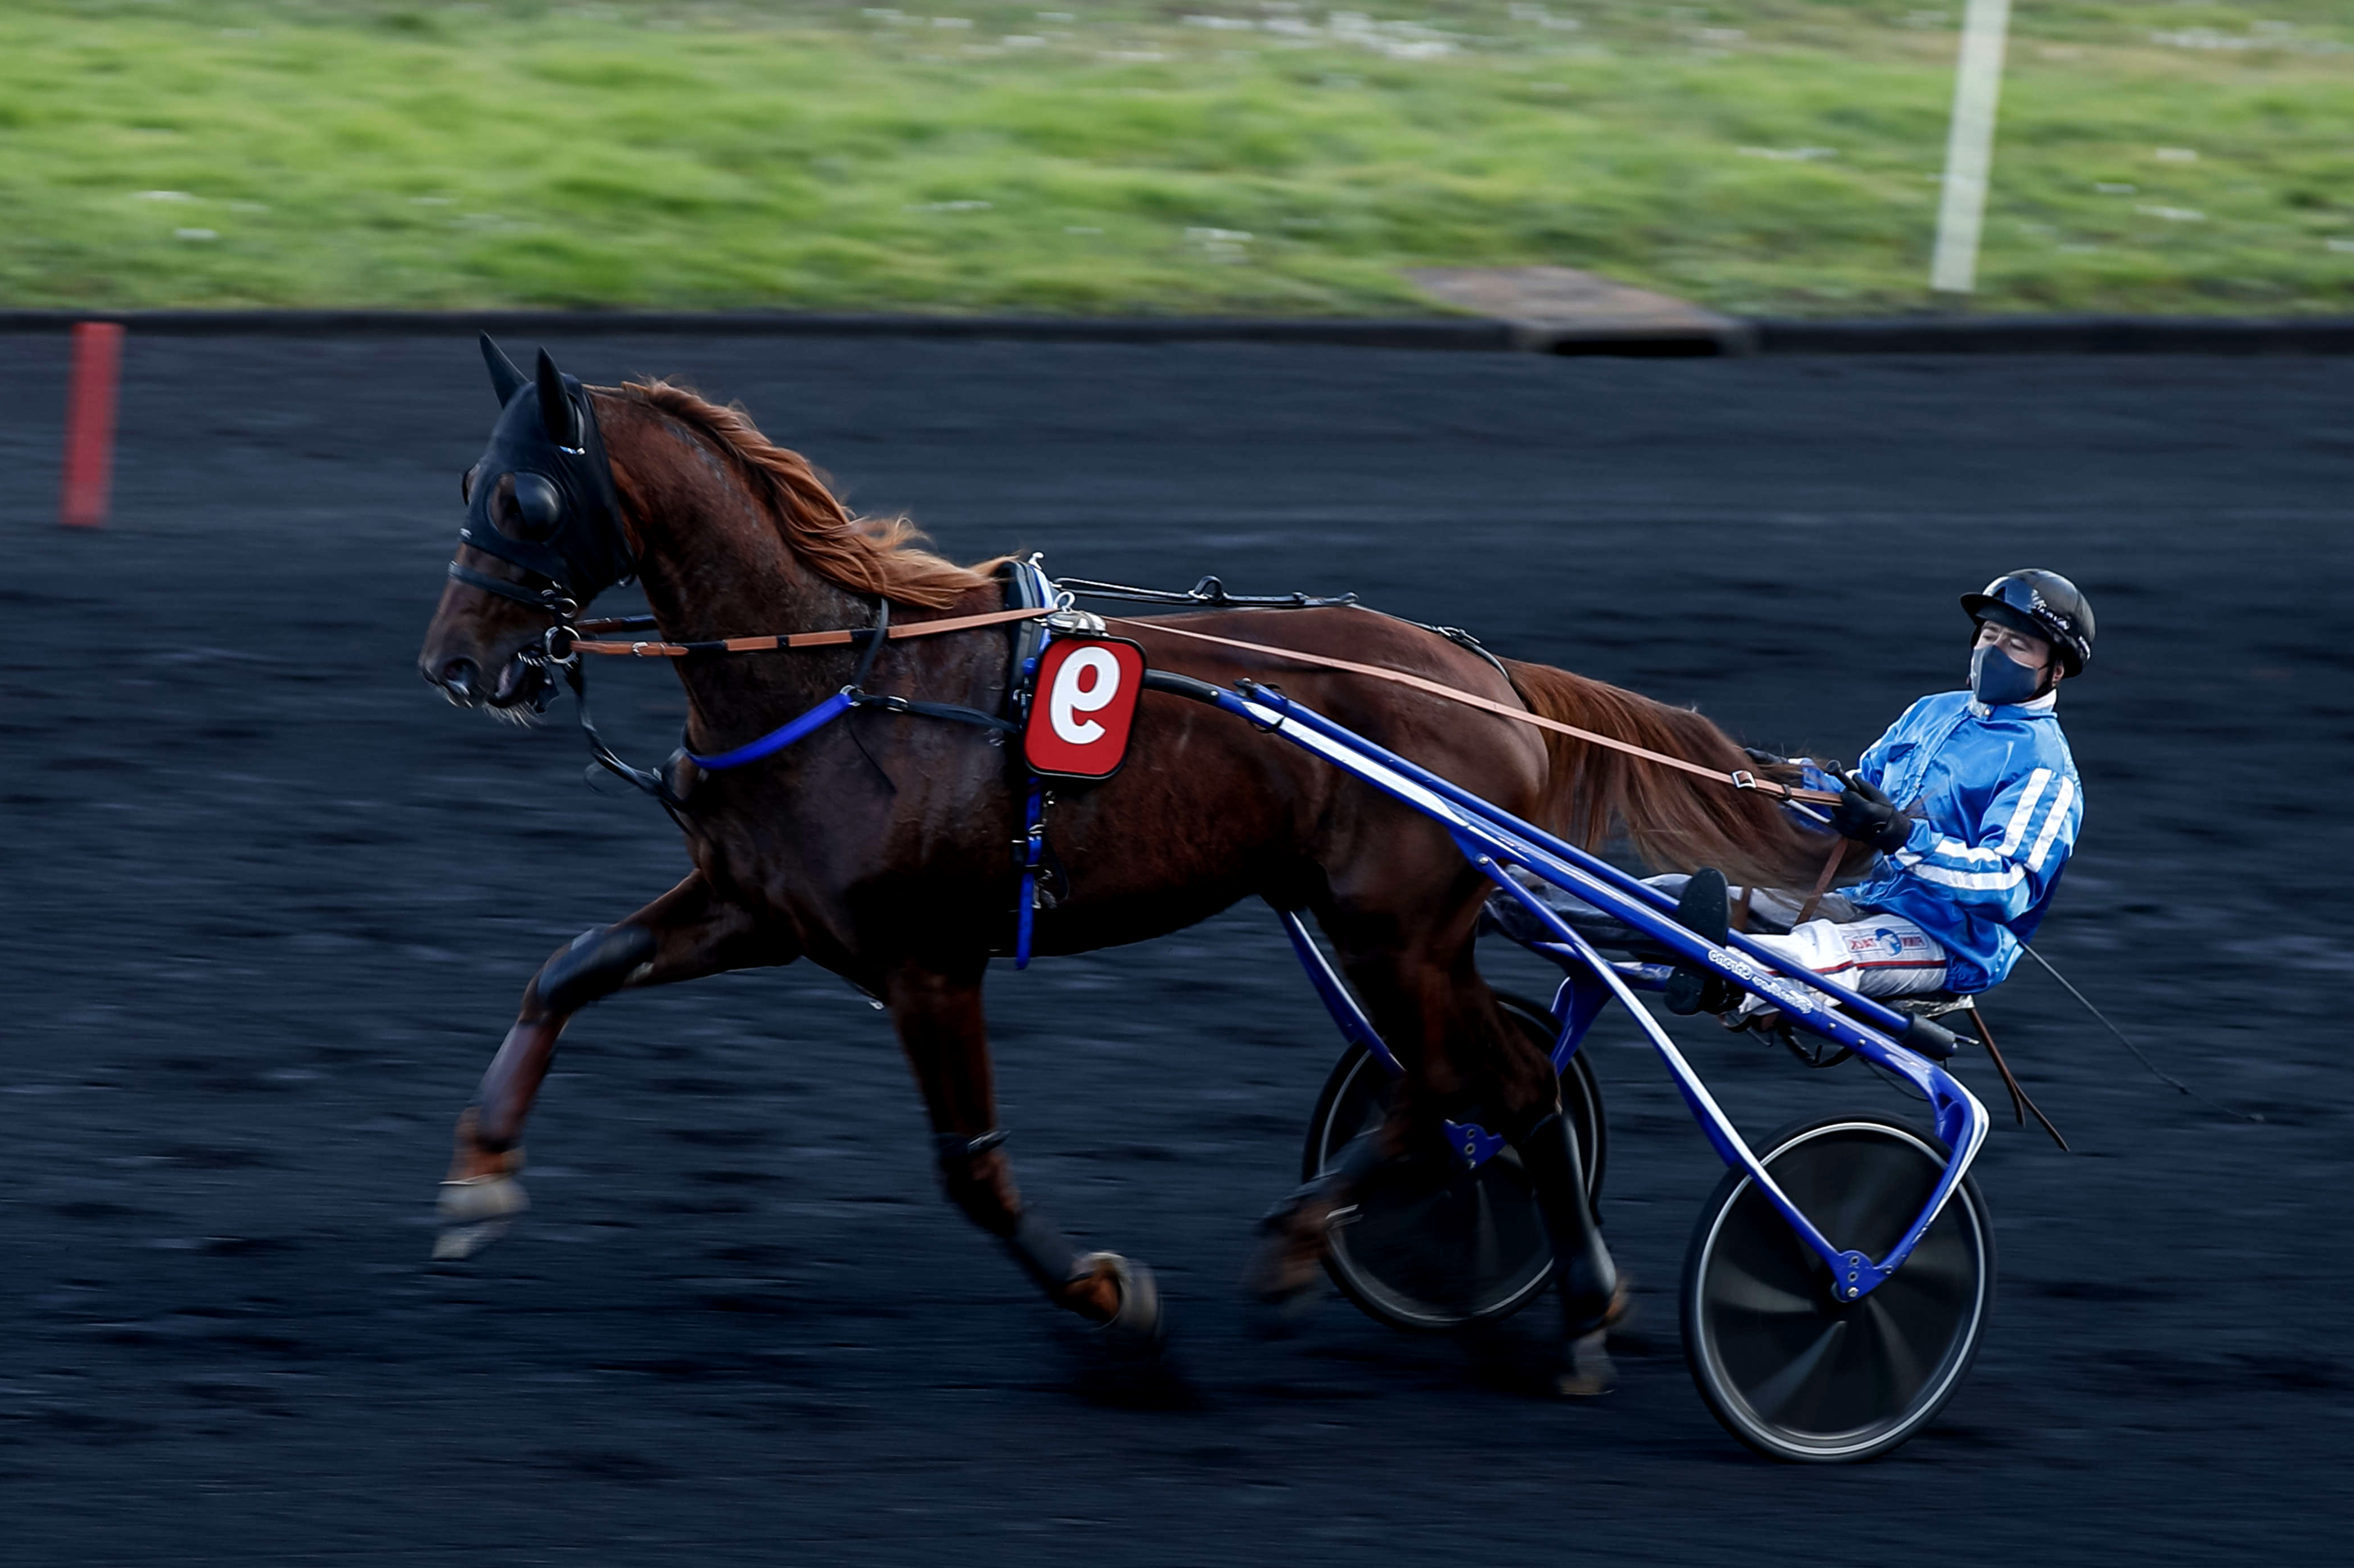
x,y
1774,157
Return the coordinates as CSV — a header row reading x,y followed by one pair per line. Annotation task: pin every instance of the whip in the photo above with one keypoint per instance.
x,y
2155,1071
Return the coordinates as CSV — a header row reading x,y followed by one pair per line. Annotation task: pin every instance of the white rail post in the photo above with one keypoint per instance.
x,y
1969,148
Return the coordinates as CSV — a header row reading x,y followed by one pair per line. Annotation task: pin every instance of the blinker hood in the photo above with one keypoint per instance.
x,y
565,525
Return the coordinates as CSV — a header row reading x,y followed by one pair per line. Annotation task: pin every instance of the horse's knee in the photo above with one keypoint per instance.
x,y
596,963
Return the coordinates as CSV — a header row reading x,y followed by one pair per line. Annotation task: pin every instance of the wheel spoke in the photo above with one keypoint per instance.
x,y
1733,1286
1901,1362
1484,1250
1770,1398
1878,1177
1937,1272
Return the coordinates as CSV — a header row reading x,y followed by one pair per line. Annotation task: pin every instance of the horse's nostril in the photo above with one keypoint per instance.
x,y
459,676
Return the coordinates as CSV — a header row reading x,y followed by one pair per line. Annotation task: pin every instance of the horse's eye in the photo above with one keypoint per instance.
x,y
538,506
466,484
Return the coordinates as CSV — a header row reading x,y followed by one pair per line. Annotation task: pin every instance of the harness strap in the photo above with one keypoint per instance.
x,y
1031,847
954,711
644,779
776,739
1744,779
840,639
877,635
551,599
1829,875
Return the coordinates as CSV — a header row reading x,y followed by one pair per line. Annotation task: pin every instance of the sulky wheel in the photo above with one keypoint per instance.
x,y
1791,1372
1425,1245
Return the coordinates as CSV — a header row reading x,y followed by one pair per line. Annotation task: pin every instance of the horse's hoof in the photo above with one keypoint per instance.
x,y
473,1199
1591,1373
458,1243
1137,1328
1288,1266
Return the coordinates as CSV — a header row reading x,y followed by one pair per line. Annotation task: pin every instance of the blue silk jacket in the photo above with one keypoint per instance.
x,y
1996,804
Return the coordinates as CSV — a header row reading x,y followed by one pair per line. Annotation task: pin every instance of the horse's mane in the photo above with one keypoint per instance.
x,y
1675,818
883,555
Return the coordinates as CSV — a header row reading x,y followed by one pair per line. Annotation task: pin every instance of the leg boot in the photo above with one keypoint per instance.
x,y
1593,1295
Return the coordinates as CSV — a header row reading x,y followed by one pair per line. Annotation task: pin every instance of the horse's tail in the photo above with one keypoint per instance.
x,y
1678,821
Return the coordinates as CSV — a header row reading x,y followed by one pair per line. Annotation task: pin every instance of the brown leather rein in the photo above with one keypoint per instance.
x,y
842,639
1741,779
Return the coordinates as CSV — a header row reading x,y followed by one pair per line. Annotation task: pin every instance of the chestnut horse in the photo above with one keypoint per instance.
x,y
878,846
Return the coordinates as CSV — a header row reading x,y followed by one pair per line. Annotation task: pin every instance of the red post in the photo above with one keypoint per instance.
x,y
89,423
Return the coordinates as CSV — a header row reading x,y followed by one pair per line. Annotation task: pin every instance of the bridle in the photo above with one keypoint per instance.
x,y
579,556
549,455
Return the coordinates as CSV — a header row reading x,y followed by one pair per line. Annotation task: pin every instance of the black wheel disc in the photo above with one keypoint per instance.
x,y
1427,1245
1790,1370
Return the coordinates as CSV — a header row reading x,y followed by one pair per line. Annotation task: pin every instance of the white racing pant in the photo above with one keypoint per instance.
x,y
1878,955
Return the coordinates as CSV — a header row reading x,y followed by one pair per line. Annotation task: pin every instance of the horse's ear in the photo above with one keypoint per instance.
x,y
505,379
555,408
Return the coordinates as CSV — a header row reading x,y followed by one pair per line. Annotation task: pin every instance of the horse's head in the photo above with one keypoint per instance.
x,y
542,537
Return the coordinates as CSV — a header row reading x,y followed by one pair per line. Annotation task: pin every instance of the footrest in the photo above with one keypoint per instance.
x,y
1935,1004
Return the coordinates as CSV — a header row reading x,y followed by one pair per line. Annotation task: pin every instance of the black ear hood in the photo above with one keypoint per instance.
x,y
565,527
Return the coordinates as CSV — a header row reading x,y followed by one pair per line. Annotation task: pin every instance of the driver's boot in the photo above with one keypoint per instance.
x,y
1593,1294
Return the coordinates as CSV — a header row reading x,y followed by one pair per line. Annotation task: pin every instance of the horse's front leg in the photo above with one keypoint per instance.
x,y
938,1017
688,932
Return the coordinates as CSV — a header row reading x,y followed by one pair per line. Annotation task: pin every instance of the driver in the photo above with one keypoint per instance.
x,y
1974,802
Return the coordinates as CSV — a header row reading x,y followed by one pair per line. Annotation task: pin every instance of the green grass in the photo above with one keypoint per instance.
x,y
220,153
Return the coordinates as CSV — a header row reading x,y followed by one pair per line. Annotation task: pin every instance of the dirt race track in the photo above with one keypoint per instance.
x,y
274,903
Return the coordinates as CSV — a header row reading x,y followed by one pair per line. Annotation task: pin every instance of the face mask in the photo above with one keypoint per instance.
x,y
1996,680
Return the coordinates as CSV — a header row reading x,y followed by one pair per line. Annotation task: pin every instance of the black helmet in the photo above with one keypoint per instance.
x,y
2041,604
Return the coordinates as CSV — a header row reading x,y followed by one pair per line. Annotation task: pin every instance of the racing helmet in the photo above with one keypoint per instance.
x,y
2041,604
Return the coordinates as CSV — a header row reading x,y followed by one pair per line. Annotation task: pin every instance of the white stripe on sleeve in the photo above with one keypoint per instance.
x,y
1971,881
2026,811
2060,801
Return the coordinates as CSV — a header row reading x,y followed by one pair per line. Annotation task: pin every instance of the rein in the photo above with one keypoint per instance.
x,y
853,695
839,639
1740,779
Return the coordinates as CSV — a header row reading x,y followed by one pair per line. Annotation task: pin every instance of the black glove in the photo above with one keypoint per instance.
x,y
1864,813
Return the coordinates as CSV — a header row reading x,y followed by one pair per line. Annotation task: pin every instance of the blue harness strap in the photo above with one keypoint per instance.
x,y
1028,586
1034,854
776,739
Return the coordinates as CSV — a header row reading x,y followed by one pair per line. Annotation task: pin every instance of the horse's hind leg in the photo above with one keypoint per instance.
x,y
938,1017
688,932
1423,991
1503,1068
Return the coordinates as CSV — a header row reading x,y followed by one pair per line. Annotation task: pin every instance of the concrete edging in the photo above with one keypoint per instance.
x,y
2061,334
1921,335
